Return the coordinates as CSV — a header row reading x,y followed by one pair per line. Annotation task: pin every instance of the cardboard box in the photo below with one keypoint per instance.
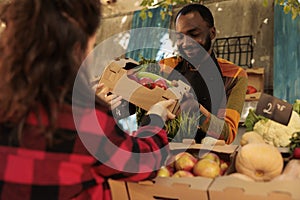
x,y
115,77
255,79
118,189
168,187
161,188
232,188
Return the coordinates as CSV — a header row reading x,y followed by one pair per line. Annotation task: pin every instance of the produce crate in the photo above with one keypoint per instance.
x,y
184,188
256,80
231,188
161,188
115,77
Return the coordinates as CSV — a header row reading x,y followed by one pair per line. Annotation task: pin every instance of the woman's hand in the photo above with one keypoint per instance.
x,y
108,98
161,109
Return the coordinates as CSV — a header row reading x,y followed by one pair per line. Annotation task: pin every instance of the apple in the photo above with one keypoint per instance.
x,y
206,168
170,162
164,172
178,155
211,156
160,82
223,167
147,82
182,173
185,161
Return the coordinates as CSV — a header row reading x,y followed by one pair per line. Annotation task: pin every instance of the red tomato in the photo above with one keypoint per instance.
x,y
147,82
160,82
251,89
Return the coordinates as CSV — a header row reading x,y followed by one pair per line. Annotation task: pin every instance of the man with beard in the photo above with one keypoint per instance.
x,y
218,85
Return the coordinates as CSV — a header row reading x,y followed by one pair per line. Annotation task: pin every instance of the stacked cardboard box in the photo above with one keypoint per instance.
x,y
231,188
221,188
256,80
184,188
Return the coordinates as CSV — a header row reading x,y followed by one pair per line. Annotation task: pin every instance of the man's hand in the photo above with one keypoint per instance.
x,y
189,104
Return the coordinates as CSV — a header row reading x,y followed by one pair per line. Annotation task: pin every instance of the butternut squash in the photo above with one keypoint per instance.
x,y
251,137
260,161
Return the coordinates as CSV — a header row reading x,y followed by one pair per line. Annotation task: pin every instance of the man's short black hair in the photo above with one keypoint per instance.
x,y
201,9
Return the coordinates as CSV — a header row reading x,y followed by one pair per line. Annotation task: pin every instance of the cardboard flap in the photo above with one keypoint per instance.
x,y
217,148
118,189
114,67
258,70
147,182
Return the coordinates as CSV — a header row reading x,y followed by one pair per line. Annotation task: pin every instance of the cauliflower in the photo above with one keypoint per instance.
x,y
275,133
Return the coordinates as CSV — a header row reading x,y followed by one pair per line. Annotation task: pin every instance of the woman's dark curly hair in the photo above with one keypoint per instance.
x,y
41,50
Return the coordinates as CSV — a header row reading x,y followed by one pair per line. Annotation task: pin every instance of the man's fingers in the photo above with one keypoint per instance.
x,y
188,95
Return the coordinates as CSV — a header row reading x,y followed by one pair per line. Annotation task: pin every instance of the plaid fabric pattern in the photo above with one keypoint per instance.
x,y
69,170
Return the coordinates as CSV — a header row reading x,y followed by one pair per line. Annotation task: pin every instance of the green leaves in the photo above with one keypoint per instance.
x,y
295,142
184,126
165,4
145,13
251,119
289,6
145,3
266,3
296,106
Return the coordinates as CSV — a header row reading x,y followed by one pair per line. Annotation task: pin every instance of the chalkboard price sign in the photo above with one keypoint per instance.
x,y
274,109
